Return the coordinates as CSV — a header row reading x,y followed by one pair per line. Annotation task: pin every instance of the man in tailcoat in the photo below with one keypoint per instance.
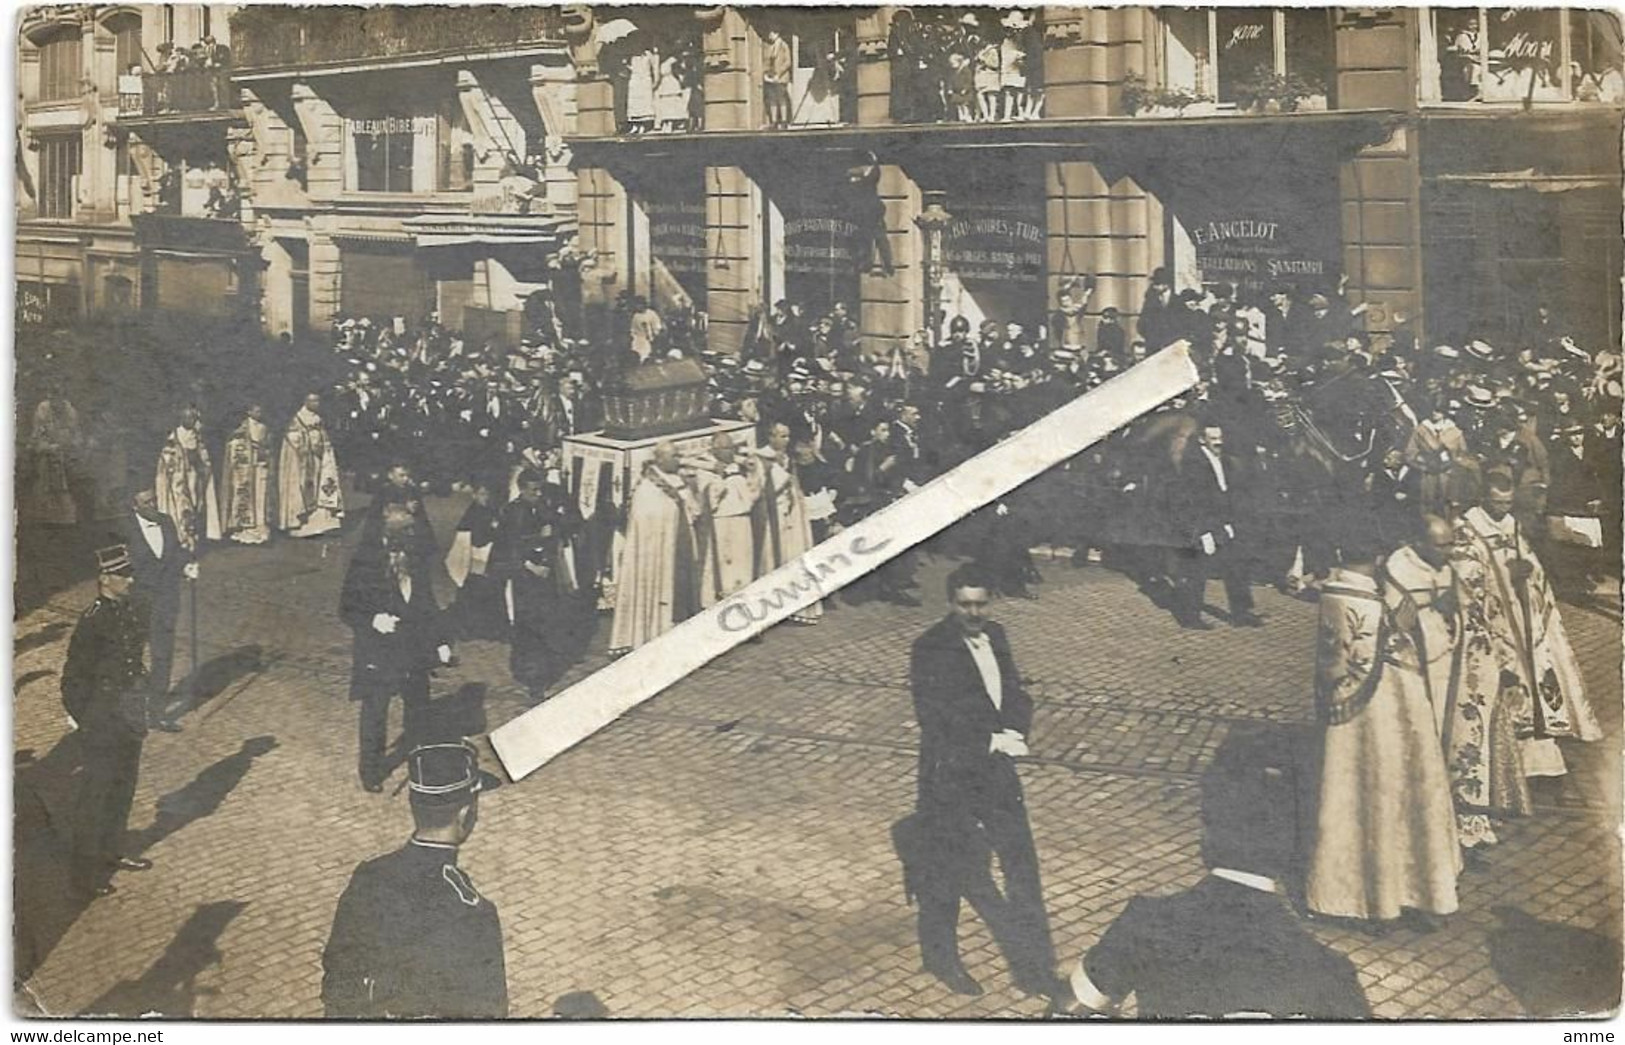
x,y
1205,500
389,605
161,566
974,717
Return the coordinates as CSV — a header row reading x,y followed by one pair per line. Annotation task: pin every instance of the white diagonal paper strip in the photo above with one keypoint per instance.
x,y
528,742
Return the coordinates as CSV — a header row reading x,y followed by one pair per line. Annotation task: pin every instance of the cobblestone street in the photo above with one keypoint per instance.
x,y
725,850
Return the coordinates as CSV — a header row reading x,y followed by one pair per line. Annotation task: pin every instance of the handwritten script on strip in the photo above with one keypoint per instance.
x,y
530,741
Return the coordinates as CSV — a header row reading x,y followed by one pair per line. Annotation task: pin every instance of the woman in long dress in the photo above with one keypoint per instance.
x,y
642,71
671,94
1386,841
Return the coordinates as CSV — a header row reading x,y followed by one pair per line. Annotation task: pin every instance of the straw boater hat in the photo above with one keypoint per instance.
x,y
1446,352
1480,397
1482,351
1568,345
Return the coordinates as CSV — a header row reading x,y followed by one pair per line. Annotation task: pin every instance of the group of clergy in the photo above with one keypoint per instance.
x,y
291,485
1445,680
701,527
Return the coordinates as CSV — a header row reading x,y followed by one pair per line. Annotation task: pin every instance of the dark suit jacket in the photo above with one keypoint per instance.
x,y
157,580
1199,505
411,648
957,717
1221,948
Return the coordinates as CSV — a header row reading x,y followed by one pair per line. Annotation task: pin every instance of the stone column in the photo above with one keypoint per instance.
x,y
1381,186
603,227
874,67
1113,231
1087,54
735,233
324,144
553,89
325,275
733,91
892,305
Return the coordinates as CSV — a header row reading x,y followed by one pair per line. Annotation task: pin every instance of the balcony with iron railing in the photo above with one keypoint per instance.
x,y
192,93
275,37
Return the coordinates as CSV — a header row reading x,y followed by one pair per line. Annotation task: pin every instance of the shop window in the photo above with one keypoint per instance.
x,y
60,74
59,163
1247,56
1598,75
384,149
1521,55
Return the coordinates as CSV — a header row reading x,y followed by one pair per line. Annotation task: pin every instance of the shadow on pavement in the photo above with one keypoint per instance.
x,y
43,637
203,795
1289,753
42,832
214,677
580,1005
31,676
1555,970
169,987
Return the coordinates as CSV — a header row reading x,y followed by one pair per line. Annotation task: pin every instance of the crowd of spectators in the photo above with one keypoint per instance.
x,y
1326,427
952,65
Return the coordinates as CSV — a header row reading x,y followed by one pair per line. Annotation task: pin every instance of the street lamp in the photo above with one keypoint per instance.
x,y
933,221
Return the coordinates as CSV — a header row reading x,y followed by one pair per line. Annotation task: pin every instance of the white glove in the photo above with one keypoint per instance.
x,y
190,571
1230,531
1208,544
443,651
384,623
1007,742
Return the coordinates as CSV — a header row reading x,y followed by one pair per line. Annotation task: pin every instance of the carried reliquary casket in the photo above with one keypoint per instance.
x,y
656,399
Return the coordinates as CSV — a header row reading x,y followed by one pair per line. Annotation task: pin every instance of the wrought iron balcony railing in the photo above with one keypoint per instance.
x,y
270,37
185,93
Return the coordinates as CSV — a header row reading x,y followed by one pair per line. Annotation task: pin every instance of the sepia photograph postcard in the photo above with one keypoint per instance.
x,y
912,513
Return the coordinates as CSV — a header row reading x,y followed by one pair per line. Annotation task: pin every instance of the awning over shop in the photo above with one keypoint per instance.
x,y
1190,138
1530,179
461,230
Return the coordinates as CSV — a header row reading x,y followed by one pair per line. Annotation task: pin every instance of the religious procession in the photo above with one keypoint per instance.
x,y
345,479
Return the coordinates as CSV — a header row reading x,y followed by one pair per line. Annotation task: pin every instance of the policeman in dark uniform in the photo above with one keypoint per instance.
x,y
412,938
544,603
104,689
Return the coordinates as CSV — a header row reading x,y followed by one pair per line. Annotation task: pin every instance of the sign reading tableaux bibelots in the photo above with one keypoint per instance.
x,y
528,742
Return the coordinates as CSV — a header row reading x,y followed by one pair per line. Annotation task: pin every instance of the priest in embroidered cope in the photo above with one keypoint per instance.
x,y
1386,842
309,500
1530,645
656,582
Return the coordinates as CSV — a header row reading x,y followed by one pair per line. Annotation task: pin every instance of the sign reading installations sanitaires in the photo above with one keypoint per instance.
x,y
527,743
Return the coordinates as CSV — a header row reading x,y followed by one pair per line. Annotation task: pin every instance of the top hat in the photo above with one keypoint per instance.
x,y
447,774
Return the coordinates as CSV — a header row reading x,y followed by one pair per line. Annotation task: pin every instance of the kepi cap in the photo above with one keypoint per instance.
x,y
447,774
114,560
